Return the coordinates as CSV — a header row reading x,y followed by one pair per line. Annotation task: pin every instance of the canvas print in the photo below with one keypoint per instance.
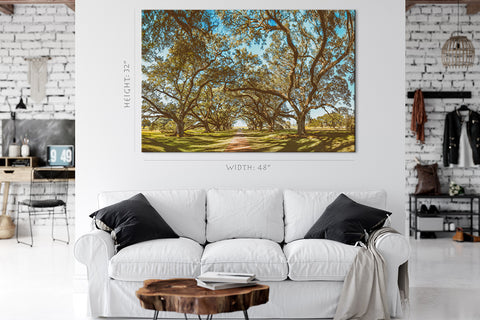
x,y
248,81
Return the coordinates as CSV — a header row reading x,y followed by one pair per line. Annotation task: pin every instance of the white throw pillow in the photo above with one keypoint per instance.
x,y
303,208
182,210
245,214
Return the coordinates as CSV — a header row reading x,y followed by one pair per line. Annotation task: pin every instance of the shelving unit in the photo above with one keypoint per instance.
x,y
415,214
24,169
18,161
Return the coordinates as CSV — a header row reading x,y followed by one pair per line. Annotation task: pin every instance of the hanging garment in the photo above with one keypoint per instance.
x,y
419,116
37,77
465,156
452,134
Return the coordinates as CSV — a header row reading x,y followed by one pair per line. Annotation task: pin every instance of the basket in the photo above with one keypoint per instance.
x,y
7,227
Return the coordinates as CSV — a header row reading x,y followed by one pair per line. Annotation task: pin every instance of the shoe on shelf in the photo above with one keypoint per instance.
x,y
458,235
427,235
423,209
433,209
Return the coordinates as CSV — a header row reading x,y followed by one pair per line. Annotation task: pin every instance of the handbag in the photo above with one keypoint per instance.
x,y
428,182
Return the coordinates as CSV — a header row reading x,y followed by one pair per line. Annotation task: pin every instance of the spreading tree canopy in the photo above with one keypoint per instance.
x,y
263,66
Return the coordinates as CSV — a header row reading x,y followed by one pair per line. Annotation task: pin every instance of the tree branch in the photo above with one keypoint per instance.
x,y
161,111
292,47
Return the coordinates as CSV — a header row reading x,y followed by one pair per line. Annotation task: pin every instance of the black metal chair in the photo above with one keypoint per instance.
x,y
48,195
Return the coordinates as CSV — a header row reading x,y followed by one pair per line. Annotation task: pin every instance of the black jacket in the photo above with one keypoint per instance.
x,y
451,137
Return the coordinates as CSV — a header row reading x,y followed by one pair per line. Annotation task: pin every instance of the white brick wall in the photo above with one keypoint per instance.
x,y
38,30
427,29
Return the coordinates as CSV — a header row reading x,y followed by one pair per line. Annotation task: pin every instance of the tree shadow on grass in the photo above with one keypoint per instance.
x,y
191,142
327,141
259,141
313,141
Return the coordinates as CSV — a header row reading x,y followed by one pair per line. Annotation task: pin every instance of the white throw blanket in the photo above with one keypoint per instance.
x,y
364,292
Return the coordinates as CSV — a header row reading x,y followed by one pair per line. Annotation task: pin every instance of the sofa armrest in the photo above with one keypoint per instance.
x,y
95,246
94,250
395,250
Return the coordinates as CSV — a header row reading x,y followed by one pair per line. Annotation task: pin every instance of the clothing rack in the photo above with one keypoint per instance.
x,y
442,94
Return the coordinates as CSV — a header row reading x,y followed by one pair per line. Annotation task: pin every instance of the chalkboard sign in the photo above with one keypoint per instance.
x,y
41,134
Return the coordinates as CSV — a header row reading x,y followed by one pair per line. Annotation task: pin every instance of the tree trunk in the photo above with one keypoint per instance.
x,y
207,127
180,128
301,124
271,126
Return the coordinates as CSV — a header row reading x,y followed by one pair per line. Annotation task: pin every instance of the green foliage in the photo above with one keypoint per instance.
x,y
146,123
336,120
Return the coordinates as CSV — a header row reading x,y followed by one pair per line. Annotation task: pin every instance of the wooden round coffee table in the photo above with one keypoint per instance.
x,y
184,296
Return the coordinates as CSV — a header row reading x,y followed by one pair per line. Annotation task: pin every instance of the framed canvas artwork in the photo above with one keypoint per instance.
x,y
248,80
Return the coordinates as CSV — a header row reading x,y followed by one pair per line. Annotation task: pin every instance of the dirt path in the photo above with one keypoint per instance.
x,y
239,143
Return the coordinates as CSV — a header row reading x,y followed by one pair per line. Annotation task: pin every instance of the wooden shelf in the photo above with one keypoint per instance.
x,y
23,169
18,162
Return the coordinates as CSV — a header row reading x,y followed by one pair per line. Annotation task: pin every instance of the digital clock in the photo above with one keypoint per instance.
x,y
61,156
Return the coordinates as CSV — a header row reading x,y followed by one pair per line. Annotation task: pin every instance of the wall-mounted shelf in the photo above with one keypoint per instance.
x,y
442,94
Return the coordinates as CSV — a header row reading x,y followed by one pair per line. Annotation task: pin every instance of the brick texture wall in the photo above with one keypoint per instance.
x,y
38,30
427,29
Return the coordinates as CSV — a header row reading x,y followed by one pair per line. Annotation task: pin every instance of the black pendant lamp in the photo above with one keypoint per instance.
x,y
21,105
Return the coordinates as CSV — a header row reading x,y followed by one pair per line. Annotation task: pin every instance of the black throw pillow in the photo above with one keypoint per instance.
x,y
346,221
132,221
348,232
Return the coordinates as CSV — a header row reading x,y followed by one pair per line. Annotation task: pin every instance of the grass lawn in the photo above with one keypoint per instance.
x,y
316,140
319,140
193,141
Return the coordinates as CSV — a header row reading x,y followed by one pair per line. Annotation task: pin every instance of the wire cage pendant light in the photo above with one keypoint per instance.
x,y
458,51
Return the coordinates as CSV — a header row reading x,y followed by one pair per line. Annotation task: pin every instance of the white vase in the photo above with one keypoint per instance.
x,y
25,150
14,150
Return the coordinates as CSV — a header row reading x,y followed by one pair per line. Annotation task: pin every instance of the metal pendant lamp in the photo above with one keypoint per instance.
x,y
458,50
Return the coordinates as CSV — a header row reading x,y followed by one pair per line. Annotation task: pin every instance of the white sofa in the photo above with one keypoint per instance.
x,y
255,231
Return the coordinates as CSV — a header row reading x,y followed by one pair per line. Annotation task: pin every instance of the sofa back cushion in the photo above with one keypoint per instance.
x,y
303,208
182,210
253,213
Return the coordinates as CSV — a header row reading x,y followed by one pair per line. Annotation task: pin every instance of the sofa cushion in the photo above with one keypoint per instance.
x,y
182,210
319,259
157,259
262,257
244,214
303,208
